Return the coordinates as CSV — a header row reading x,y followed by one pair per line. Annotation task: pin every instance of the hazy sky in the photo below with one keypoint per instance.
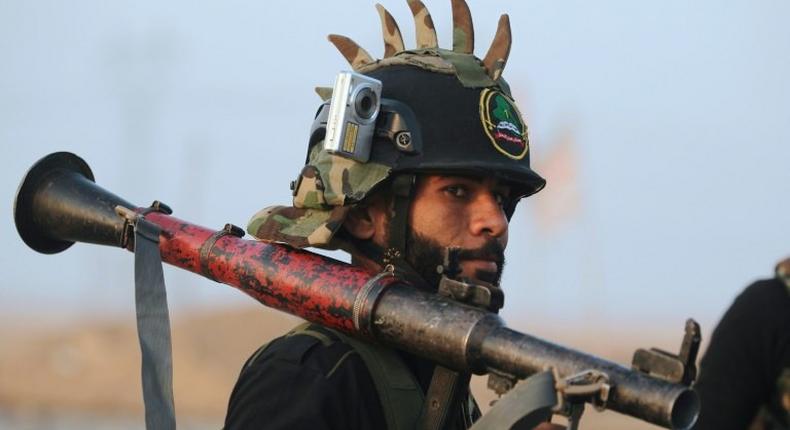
x,y
676,114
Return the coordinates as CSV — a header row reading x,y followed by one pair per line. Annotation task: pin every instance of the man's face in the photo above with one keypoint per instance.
x,y
458,211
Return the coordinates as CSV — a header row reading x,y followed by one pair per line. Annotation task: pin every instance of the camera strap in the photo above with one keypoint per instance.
x,y
153,327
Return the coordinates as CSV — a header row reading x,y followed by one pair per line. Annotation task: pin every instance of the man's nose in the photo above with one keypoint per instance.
x,y
488,217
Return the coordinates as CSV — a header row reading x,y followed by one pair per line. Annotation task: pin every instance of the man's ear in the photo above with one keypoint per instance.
x,y
360,222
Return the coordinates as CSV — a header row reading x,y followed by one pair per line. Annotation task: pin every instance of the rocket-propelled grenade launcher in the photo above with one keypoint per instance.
x,y
58,203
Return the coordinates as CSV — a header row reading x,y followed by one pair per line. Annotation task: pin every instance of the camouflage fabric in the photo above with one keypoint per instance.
x,y
497,55
468,69
324,92
423,25
427,59
460,61
330,180
323,193
463,31
393,41
297,227
329,184
355,55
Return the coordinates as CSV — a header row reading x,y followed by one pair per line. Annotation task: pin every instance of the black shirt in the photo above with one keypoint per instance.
x,y
298,382
748,351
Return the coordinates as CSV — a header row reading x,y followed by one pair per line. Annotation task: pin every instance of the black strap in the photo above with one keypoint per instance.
x,y
367,248
153,328
402,189
448,388
208,245
399,392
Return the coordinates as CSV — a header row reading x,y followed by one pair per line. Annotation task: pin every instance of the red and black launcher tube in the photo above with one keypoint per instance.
x,y
58,203
314,287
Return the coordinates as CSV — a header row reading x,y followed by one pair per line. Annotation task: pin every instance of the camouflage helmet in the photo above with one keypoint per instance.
x,y
457,108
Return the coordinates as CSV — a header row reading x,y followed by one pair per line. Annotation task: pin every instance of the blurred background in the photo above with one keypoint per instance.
x,y
661,126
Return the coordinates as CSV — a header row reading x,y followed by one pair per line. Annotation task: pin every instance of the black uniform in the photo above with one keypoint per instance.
x,y
747,354
300,382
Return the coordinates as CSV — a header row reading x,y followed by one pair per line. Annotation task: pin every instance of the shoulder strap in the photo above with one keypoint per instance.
x,y
448,390
300,329
399,392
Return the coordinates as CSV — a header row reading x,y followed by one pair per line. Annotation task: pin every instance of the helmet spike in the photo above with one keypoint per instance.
x,y
324,92
499,67
393,41
496,58
423,23
355,55
463,31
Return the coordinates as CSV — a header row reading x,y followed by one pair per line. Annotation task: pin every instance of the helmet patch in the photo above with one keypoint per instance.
x,y
503,124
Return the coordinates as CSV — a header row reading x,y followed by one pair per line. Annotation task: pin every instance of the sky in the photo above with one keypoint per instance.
x,y
663,127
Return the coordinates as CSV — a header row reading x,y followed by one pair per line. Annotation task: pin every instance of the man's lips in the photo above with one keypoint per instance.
x,y
473,265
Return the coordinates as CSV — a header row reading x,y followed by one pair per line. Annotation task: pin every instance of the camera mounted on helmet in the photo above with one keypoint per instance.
x,y
355,116
441,111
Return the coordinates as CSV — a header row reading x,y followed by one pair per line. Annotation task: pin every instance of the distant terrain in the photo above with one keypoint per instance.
x,y
88,374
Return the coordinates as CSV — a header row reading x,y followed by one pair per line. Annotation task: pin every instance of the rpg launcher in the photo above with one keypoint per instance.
x,y
58,203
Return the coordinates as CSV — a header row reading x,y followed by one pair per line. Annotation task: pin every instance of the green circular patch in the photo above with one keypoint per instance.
x,y
503,124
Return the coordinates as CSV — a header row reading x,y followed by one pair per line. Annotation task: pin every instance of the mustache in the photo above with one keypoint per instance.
x,y
425,255
492,250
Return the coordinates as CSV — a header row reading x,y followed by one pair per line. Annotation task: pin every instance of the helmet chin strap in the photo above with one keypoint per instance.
x,y
392,257
447,387
402,193
403,187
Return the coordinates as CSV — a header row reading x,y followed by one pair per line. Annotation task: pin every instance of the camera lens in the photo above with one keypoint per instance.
x,y
365,103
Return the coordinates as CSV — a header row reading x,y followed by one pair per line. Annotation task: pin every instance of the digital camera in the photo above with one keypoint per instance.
x,y
355,105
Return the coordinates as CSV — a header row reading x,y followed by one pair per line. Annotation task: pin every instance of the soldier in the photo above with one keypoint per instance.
x,y
449,162
744,380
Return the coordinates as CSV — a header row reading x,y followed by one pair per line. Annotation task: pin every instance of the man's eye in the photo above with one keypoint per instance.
x,y
503,199
458,191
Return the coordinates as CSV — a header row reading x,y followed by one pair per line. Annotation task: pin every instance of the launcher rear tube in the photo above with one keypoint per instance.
x,y
325,291
58,203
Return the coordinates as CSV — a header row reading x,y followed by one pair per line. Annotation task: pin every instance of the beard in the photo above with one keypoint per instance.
x,y
425,255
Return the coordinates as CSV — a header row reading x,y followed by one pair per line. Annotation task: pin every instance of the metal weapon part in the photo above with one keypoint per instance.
x,y
58,203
